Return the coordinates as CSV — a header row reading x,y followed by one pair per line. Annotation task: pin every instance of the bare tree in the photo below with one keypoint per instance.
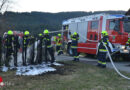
x,y
128,12
4,5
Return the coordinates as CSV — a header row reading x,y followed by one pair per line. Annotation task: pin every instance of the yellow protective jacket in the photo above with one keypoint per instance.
x,y
58,41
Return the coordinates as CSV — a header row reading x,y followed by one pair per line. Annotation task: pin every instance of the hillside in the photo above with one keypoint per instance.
x,y
35,22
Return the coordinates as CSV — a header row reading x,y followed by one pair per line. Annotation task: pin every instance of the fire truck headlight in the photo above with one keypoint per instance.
x,y
69,40
126,51
122,47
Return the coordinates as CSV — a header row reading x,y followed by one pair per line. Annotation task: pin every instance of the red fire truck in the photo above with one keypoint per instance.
x,y
90,27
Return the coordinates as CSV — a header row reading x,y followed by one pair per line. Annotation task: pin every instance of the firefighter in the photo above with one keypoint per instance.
x,y
48,46
54,42
25,46
39,48
128,45
32,51
74,44
102,51
58,45
9,46
128,42
54,39
16,47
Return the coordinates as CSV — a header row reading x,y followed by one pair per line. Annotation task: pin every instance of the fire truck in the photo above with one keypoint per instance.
x,y
90,27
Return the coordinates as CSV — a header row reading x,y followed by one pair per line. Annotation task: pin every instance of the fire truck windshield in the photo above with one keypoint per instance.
x,y
127,26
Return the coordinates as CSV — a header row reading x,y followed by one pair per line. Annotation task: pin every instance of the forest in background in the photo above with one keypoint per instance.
x,y
36,22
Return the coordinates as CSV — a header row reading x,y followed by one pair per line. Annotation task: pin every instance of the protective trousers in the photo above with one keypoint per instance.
x,y
24,55
32,53
39,53
51,52
58,48
102,59
8,54
15,55
75,54
0,51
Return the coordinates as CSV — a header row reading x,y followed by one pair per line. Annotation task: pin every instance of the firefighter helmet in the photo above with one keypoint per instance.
x,y
26,33
104,33
40,34
46,31
75,33
59,35
10,32
129,39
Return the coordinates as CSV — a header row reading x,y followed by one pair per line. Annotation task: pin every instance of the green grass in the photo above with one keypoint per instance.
x,y
72,76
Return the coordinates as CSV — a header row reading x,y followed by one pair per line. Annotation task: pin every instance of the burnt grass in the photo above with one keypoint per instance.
x,y
70,76
62,70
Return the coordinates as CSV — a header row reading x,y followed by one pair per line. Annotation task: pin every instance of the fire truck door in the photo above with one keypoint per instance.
x,y
113,29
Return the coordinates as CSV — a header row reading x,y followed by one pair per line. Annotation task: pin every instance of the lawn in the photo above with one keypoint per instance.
x,y
71,76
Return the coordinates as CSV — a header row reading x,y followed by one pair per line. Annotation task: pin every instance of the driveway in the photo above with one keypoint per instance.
x,y
123,66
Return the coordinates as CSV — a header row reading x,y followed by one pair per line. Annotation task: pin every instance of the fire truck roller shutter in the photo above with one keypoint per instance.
x,y
104,23
82,31
73,28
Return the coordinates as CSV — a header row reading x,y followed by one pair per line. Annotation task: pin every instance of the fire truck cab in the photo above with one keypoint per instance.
x,y
90,27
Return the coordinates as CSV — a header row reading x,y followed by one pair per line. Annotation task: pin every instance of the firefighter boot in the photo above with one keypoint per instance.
x,y
58,53
52,61
74,59
15,64
61,52
98,65
7,62
24,64
103,66
77,59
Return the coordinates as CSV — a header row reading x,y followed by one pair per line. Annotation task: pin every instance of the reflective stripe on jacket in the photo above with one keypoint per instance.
x,y
128,42
75,39
104,40
47,40
26,40
58,41
8,41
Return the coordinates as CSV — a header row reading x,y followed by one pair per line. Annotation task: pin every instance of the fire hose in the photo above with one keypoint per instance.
x,y
109,55
109,58
114,65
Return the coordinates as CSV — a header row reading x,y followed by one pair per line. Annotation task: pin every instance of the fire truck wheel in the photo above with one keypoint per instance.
x,y
125,57
69,50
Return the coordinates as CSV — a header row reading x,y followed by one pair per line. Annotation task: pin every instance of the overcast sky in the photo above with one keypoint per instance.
x,y
69,5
